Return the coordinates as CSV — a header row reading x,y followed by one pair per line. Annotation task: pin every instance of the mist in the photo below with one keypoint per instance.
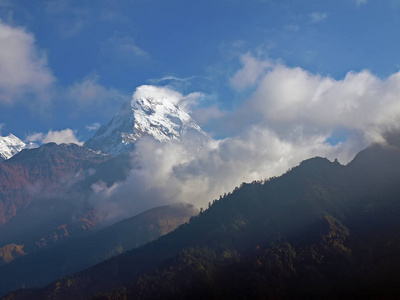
x,y
171,172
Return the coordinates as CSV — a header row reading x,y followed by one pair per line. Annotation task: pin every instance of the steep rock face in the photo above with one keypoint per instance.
x,y
152,112
11,145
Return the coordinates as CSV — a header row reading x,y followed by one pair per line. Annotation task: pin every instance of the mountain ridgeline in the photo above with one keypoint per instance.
x,y
320,231
79,253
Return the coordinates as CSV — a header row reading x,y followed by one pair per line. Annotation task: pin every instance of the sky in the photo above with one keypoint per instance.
x,y
71,64
272,82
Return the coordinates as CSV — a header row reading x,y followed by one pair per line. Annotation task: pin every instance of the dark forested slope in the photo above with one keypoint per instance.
x,y
322,230
79,253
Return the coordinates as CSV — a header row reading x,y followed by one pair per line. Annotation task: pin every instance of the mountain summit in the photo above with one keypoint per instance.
x,y
11,145
152,112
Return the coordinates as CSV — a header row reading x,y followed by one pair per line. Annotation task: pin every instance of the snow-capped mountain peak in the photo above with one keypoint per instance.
x,y
160,117
11,145
154,112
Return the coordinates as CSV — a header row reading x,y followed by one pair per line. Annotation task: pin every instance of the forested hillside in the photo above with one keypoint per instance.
x,y
322,230
80,253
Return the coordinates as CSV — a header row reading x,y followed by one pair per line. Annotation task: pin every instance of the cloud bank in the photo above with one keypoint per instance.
x,y
168,172
294,101
291,115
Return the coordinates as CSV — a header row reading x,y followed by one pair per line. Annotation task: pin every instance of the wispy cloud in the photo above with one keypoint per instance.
x,y
123,49
292,27
89,94
318,17
360,2
69,18
170,78
93,126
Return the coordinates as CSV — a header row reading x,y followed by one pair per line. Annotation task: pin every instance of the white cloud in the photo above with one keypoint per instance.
x,y
157,92
290,97
251,72
318,17
93,126
1,127
23,68
65,136
35,137
187,102
292,101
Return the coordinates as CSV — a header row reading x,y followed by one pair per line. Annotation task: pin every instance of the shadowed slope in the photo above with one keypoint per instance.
x,y
321,230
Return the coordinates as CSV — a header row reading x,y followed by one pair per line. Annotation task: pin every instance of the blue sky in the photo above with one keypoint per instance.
x,y
73,63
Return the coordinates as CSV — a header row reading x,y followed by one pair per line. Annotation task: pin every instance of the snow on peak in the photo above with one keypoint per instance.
x,y
154,112
11,145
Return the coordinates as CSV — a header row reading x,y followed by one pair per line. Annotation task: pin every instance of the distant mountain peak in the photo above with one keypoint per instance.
x,y
11,145
153,112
